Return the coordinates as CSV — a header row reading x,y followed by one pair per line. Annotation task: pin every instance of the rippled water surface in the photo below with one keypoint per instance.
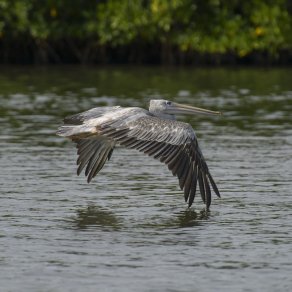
x,y
130,229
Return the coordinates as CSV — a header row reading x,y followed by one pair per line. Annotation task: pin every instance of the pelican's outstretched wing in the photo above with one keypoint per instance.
x,y
173,143
93,152
93,149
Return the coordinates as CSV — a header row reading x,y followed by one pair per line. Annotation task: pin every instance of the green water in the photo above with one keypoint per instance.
x,y
130,229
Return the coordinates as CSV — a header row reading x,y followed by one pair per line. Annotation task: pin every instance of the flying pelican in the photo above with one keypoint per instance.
x,y
155,132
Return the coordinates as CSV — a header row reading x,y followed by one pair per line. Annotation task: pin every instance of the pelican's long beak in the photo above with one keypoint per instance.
x,y
176,108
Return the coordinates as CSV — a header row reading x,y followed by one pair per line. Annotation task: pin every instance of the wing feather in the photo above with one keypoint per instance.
x,y
128,141
169,152
154,149
162,151
85,148
172,157
201,185
94,159
92,154
86,155
188,182
80,118
174,143
176,162
103,155
214,186
207,190
193,185
184,172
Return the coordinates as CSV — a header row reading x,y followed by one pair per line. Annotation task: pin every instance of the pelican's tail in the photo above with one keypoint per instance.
x,y
81,125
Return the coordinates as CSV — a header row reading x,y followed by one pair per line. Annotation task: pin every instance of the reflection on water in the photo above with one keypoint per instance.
x,y
181,219
130,229
94,216
190,218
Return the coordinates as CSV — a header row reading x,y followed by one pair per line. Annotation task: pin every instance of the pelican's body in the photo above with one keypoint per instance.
x,y
154,132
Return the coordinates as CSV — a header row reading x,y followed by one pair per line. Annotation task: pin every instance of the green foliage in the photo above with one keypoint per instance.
x,y
203,26
13,16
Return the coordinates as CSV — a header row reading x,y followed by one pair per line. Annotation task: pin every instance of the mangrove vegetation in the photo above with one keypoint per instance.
x,y
146,31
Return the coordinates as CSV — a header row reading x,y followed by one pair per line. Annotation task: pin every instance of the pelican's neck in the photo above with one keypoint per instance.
x,y
162,115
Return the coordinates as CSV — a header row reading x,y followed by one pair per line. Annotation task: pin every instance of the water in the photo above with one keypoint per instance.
x,y
130,229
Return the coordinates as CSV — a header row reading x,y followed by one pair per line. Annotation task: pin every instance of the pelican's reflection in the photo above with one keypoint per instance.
x,y
187,218
96,216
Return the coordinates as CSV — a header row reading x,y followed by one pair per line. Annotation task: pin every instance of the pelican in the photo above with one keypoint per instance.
x,y
155,132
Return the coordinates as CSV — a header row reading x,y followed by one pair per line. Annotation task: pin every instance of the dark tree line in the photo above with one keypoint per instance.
x,y
146,31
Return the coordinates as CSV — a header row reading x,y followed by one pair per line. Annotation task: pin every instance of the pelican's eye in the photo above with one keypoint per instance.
x,y
168,102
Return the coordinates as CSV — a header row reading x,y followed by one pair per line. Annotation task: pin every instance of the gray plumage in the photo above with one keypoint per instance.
x,y
154,132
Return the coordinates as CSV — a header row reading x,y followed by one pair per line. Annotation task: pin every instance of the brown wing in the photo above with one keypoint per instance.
x,y
173,143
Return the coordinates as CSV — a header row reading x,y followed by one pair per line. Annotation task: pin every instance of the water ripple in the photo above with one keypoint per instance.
x,y
130,230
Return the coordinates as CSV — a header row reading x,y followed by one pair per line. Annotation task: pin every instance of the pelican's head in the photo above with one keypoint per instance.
x,y
168,109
